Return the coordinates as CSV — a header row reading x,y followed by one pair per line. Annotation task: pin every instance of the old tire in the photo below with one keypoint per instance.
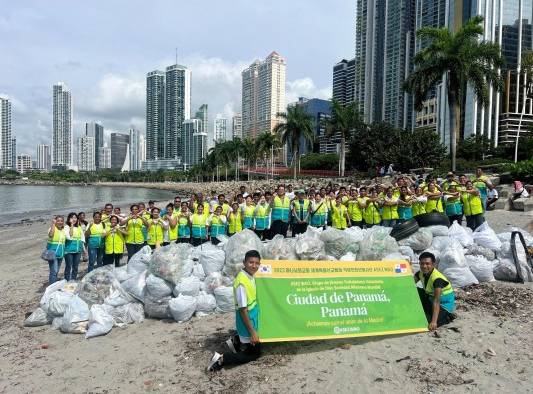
x,y
404,230
433,219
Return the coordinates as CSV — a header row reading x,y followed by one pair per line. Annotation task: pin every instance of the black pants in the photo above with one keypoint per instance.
x,y
113,258
183,241
299,228
458,218
445,317
358,224
260,234
132,249
215,240
267,234
280,227
474,221
491,202
246,353
197,241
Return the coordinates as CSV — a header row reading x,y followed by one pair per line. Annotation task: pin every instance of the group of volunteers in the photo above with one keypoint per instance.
x,y
201,219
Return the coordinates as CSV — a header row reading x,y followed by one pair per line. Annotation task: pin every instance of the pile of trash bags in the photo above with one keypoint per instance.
x,y
180,281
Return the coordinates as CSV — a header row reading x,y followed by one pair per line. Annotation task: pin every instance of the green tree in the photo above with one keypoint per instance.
x,y
266,144
249,152
464,59
296,124
344,120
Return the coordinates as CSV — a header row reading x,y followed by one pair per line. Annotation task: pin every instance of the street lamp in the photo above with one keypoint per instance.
x,y
529,95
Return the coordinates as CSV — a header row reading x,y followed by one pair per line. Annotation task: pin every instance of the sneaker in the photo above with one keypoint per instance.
x,y
215,365
231,345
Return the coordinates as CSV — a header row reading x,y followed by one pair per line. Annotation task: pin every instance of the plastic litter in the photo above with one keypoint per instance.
x,y
481,268
418,241
198,271
236,248
117,296
121,273
212,258
58,303
182,308
76,317
39,317
377,244
157,309
127,314
97,284
167,262
205,303
453,265
224,298
100,321
485,236
56,323
214,280
339,242
157,288
347,257
478,250
309,246
438,231
280,248
409,252
49,291
461,234
139,261
188,286
136,285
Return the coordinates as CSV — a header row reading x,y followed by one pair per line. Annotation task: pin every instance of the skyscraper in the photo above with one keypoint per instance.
x,y
134,150
220,129
14,151
86,158
155,115
344,81
194,142
95,130
142,149
6,159
119,149
104,156
44,162
23,163
61,126
236,126
177,107
263,95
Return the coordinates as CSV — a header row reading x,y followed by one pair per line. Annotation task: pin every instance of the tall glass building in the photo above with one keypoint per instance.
x,y
177,108
155,115
62,127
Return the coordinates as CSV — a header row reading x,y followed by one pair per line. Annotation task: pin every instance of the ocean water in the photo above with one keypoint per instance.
x,y
19,202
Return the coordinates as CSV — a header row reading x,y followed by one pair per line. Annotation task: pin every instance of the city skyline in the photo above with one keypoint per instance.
x,y
108,85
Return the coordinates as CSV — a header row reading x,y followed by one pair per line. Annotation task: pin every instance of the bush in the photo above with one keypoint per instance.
x,y
318,161
522,170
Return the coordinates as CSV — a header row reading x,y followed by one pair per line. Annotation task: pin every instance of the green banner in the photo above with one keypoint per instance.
x,y
305,300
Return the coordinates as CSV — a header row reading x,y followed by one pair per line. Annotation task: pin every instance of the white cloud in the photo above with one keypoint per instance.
x,y
305,87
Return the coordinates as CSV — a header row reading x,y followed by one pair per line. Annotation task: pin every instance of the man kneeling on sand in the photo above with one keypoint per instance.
x,y
437,296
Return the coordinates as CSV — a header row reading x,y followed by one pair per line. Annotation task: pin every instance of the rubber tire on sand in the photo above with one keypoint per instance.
x,y
404,230
433,219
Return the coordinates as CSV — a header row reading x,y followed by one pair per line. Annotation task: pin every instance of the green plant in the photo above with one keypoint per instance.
x,y
318,161
522,170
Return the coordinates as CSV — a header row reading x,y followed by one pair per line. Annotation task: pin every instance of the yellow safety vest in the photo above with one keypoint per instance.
x,y
173,232
472,205
234,222
338,217
302,209
390,212
249,287
281,208
134,228
206,208
57,242
155,233
199,227
184,230
96,235
114,243
225,208
354,210
447,299
434,205
218,227
261,217
75,244
371,213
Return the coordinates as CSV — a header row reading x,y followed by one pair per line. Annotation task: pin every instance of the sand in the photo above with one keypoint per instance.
x,y
487,349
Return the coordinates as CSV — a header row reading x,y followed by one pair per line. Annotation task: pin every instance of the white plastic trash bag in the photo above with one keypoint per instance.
x,y
100,321
485,236
418,241
157,288
212,258
377,244
76,317
97,285
453,265
461,234
338,242
136,285
139,261
438,231
280,248
441,242
58,302
236,248
117,296
182,308
214,280
188,286
198,271
478,250
49,291
348,257
205,303
409,252
39,317
167,262
121,273
157,309
127,314
224,298
309,246
481,268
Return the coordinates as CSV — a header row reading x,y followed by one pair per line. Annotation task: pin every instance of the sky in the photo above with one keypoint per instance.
x,y
102,50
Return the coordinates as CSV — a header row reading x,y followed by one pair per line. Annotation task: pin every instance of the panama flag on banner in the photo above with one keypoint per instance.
x,y
400,268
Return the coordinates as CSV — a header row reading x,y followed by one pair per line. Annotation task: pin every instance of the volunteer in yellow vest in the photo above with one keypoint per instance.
x,y
106,214
261,217
156,230
389,205
483,184
300,212
171,217
472,206
281,205
200,201
248,212
434,202
371,213
339,214
244,347
222,203
452,204
199,226
143,212
134,223
436,294
419,203
74,246
217,225
114,242
95,234
318,212
184,224
234,219
405,205
355,208
56,242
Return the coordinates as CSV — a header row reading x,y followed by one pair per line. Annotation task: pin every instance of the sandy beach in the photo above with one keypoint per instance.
x,y
487,349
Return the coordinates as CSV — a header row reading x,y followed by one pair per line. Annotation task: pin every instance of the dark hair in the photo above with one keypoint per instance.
x,y
170,205
133,206
114,216
96,213
70,215
221,195
251,253
151,202
427,255
108,205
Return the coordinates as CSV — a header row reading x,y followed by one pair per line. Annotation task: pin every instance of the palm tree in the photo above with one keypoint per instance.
x,y
236,151
249,152
343,121
266,142
463,59
296,124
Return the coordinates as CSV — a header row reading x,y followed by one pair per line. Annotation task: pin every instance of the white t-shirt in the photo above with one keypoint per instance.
x,y
242,301
492,193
